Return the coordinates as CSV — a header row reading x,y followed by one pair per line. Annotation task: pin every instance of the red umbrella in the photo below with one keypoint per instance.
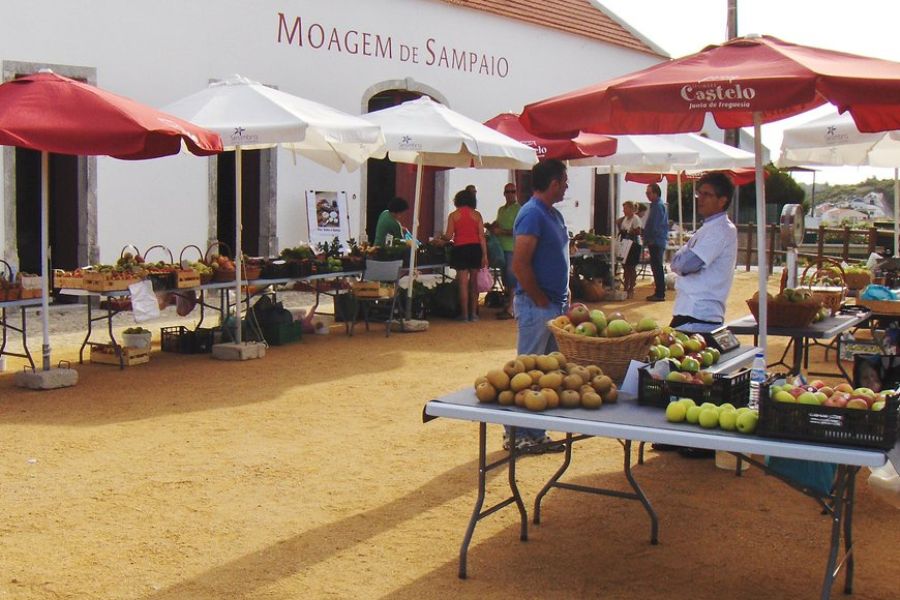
x,y
743,76
745,81
738,176
583,145
50,113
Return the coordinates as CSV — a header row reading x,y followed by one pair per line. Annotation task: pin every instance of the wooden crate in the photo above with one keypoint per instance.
x,y
881,307
371,289
186,278
68,282
106,354
103,282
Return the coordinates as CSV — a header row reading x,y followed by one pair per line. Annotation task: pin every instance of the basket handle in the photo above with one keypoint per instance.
x,y
9,270
171,258
219,245
137,253
195,247
822,271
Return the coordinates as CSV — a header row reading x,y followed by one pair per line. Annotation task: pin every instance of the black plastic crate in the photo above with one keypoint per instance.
x,y
828,424
181,340
733,389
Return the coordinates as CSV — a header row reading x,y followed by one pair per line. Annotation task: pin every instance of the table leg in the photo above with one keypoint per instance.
x,y
797,359
567,460
654,521
109,318
841,519
477,512
87,336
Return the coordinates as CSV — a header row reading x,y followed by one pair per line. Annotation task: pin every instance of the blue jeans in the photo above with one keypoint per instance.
x,y
509,278
534,338
656,266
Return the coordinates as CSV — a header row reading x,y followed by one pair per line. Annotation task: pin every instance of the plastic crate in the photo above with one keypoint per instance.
x,y
733,389
827,424
282,333
181,340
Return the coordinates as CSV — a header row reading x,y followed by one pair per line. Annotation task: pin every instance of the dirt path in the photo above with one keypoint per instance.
x,y
310,474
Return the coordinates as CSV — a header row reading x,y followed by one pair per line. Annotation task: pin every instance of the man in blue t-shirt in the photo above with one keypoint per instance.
x,y
541,266
656,236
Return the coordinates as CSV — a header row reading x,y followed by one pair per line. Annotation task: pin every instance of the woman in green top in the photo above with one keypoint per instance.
x,y
389,221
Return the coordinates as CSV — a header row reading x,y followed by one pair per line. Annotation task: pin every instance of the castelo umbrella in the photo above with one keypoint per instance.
x,y
746,81
583,145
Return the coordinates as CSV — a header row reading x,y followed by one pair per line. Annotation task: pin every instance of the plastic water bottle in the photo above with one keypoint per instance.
x,y
757,377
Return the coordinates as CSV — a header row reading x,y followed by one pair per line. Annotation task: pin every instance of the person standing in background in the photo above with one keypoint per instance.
x,y
465,228
656,236
503,229
629,228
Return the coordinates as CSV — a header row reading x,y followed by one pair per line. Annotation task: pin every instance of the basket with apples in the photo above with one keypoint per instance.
x,y
662,382
590,337
546,381
678,346
790,308
816,412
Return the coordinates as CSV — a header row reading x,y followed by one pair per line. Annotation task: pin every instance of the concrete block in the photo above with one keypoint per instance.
x,y
242,351
46,380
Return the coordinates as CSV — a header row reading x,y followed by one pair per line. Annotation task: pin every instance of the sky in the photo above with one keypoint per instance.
x,y
866,27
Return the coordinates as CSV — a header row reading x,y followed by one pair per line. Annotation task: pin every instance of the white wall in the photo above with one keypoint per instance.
x,y
159,51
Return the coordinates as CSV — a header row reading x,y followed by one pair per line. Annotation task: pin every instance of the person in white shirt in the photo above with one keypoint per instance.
x,y
629,227
705,265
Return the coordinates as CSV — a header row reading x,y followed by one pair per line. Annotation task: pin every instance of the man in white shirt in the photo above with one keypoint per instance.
x,y
705,266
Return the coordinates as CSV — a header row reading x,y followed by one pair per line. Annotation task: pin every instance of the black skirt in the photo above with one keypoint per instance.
x,y
467,256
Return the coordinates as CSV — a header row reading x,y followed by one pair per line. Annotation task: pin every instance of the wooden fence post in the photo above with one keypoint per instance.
x,y
820,250
750,228
846,252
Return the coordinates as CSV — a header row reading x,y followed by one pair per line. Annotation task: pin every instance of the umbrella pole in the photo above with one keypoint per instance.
x,y
612,227
896,213
411,279
45,240
680,211
694,205
761,232
238,199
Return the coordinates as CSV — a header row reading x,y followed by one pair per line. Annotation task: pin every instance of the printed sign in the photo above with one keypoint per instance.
x,y
327,216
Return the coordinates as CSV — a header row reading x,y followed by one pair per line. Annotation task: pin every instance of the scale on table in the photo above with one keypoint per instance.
x,y
721,339
793,228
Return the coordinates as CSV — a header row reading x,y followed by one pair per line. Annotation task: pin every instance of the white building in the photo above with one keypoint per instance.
x,y
480,57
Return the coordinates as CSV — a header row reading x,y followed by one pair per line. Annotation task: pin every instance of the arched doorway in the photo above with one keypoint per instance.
x,y
386,179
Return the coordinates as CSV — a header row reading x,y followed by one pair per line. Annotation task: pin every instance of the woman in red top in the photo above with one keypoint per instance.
x,y
465,228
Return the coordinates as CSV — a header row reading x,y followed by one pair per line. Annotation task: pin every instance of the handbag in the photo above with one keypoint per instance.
x,y
484,281
623,248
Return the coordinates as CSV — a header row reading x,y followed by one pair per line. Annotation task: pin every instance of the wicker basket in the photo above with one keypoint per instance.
x,y
857,281
831,296
786,314
613,355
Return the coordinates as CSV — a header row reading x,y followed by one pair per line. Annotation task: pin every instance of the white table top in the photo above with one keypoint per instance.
x,y
628,420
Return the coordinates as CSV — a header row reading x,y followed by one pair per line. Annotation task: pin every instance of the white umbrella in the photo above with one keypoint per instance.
x,y
644,153
426,133
834,140
248,116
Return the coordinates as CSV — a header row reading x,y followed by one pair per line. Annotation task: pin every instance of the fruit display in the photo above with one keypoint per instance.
x,y
591,240
595,323
545,381
817,393
688,353
710,416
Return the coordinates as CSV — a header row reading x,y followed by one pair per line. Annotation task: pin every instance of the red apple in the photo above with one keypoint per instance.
x,y
796,391
579,313
858,403
817,383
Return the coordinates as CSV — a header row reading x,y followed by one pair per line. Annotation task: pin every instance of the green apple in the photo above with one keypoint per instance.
x,y
858,403
676,351
878,406
709,405
693,415
728,420
727,406
709,418
783,396
690,365
598,319
808,398
663,351
746,423
676,412
742,410
687,402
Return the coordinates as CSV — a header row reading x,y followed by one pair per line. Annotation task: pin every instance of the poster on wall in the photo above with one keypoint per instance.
x,y
327,216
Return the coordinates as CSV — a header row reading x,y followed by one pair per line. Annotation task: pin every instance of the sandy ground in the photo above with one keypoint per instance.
x,y
310,474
